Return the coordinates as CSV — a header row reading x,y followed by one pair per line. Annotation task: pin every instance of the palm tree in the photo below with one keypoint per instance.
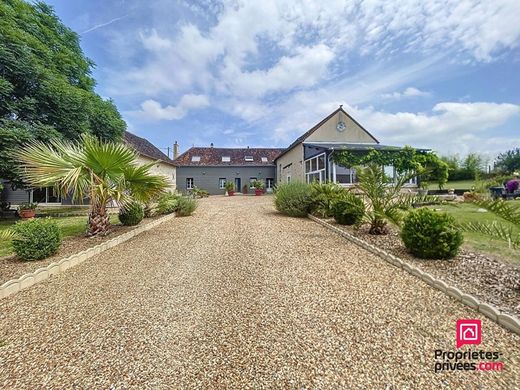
x,y
93,169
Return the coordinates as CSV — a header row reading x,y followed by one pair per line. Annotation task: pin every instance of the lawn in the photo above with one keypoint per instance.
x,y
456,185
70,226
466,212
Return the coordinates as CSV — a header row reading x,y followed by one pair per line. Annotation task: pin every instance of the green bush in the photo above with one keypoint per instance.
x,y
186,206
323,196
167,203
36,239
293,199
131,214
428,234
349,210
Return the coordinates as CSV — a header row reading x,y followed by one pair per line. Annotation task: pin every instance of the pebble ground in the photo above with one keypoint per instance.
x,y
238,297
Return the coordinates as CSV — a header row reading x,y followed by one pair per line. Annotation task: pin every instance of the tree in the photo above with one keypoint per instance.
x,y
93,169
474,164
46,85
509,161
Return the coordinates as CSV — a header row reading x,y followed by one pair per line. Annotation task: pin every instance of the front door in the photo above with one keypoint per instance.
x,y
237,184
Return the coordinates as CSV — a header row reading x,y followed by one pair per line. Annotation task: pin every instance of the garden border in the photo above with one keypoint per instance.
x,y
507,321
15,285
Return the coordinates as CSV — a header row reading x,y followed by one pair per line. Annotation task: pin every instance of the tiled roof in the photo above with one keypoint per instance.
x,y
145,147
237,157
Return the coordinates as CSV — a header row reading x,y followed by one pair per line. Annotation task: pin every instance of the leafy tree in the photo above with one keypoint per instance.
x,y
474,164
46,85
509,161
93,169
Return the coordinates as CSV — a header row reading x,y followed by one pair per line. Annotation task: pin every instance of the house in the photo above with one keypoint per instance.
x,y
210,168
310,157
48,196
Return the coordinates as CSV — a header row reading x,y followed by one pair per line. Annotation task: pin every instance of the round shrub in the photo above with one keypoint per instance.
x,y
186,206
293,199
428,234
348,211
36,239
167,203
131,214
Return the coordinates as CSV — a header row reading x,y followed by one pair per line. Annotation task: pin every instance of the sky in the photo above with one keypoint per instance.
x,y
435,74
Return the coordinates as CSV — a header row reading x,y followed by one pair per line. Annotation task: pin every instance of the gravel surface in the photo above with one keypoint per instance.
x,y
490,279
238,296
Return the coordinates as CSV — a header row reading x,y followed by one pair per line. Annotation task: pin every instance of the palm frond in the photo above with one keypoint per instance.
x,y
495,230
501,208
7,235
142,184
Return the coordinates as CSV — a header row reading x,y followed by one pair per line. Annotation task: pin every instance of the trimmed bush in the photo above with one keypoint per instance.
x,y
428,234
293,199
186,206
349,210
323,196
167,203
36,239
131,214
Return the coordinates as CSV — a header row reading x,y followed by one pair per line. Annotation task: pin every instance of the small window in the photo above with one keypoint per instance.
x,y
189,183
249,158
226,159
195,158
251,180
288,178
269,183
222,183
264,159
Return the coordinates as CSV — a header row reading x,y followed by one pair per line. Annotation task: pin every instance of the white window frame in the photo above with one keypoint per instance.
x,y
269,182
313,163
190,183
249,158
195,158
60,200
264,159
226,159
222,183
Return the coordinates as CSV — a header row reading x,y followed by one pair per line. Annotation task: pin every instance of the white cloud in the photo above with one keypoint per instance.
x,y
408,92
153,110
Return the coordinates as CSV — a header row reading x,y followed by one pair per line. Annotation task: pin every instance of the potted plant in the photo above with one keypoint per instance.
x,y
27,210
245,189
230,188
259,187
423,190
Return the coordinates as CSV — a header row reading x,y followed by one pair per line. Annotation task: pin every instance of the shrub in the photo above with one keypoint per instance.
x,y
428,234
293,199
199,192
167,203
186,206
131,214
349,210
323,196
36,239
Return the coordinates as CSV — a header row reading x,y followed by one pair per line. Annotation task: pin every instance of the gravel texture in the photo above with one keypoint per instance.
x,y
238,296
490,279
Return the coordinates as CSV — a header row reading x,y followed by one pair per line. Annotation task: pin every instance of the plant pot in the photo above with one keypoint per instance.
x,y
258,191
25,214
423,192
231,193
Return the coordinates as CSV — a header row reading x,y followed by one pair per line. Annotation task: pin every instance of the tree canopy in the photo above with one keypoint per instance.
x,y
509,161
46,84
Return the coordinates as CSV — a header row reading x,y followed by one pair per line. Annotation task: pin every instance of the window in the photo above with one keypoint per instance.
x,y
251,180
249,158
226,159
195,158
189,183
269,183
264,159
222,183
315,168
45,195
288,178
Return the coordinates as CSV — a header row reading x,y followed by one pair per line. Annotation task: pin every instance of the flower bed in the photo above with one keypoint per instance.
x,y
490,279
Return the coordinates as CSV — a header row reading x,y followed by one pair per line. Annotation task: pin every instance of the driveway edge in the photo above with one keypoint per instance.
x,y
15,285
507,321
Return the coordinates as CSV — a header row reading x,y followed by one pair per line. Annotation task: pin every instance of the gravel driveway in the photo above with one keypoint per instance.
x,y
238,296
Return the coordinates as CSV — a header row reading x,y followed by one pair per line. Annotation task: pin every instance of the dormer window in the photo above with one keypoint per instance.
x,y
226,159
195,158
264,159
249,158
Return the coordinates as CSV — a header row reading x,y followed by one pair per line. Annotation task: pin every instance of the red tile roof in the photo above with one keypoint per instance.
x,y
145,147
237,157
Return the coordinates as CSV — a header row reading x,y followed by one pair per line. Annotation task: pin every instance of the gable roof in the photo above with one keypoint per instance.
x,y
145,148
308,133
237,156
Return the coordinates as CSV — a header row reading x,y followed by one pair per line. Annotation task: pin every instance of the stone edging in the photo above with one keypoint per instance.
x,y
13,286
505,320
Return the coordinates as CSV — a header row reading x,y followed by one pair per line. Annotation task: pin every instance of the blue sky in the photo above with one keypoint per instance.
x,y
437,74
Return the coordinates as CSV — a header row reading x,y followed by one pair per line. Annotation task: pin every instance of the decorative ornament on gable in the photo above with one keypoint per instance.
x,y
340,125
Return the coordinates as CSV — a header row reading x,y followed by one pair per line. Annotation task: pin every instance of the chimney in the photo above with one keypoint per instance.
x,y
211,144
175,150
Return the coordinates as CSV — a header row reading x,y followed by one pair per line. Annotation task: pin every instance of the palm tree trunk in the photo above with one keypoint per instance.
x,y
378,227
98,221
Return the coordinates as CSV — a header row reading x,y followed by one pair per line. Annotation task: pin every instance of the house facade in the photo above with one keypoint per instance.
x,y
49,196
209,168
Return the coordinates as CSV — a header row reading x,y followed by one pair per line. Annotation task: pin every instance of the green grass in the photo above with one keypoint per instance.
x,y
456,185
466,212
70,226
